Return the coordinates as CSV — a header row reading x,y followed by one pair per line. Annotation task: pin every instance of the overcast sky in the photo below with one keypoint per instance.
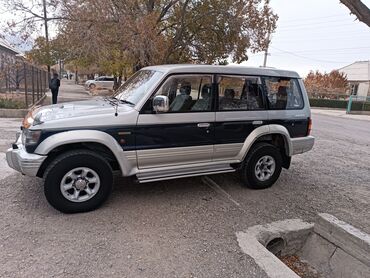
x,y
315,34
311,35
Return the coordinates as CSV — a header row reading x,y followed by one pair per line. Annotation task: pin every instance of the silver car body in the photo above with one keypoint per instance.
x,y
86,121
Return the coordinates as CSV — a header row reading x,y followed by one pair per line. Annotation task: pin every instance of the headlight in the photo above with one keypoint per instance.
x,y
30,137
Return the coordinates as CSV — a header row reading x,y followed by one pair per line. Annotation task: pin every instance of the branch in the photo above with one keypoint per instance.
x,y
359,9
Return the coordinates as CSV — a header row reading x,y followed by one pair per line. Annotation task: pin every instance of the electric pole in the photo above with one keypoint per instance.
x,y
46,36
267,49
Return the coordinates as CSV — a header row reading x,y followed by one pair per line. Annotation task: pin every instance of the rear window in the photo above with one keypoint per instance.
x,y
283,93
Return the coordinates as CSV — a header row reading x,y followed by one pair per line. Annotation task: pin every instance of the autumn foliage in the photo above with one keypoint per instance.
x,y
326,85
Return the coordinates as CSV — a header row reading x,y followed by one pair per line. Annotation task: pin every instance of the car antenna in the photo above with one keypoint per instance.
x,y
116,108
116,113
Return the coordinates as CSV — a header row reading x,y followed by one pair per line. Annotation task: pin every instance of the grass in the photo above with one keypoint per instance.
x,y
12,104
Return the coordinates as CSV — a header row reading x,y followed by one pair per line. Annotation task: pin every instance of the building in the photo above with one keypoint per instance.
x,y
358,76
8,54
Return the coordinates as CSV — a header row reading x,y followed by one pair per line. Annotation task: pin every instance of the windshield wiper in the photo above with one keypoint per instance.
x,y
126,101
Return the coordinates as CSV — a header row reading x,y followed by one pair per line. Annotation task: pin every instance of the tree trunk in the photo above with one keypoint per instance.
x,y
359,9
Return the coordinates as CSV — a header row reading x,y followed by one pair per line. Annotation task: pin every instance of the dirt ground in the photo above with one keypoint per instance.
x,y
185,227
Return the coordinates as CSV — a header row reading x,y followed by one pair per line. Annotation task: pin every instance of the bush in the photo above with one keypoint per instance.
x,y
333,103
12,104
329,103
360,106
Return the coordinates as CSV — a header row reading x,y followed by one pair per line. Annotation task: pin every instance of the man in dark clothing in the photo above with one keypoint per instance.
x,y
54,87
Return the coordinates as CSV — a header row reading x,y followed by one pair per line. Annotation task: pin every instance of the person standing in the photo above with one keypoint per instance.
x,y
54,87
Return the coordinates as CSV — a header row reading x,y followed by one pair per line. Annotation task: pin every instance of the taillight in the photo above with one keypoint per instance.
x,y
309,127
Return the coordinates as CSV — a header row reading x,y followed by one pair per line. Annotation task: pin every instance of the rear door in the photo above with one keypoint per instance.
x,y
241,109
286,105
183,135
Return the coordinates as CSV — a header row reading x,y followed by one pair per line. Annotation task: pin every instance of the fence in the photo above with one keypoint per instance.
x,y
22,85
358,105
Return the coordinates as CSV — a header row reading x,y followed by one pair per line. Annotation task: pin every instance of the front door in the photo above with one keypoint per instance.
x,y
183,135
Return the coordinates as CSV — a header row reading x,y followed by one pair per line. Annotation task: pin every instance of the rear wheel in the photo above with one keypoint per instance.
x,y
262,166
78,181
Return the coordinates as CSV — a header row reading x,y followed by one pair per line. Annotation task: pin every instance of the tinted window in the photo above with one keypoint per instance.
x,y
283,93
188,93
240,93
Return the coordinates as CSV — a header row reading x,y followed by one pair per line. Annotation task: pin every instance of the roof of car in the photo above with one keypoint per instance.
x,y
229,69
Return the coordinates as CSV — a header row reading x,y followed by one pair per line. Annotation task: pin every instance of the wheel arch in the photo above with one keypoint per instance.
x,y
97,141
267,133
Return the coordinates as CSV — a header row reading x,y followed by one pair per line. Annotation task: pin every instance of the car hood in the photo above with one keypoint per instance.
x,y
65,110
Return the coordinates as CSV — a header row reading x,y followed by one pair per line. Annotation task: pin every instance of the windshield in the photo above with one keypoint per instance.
x,y
135,88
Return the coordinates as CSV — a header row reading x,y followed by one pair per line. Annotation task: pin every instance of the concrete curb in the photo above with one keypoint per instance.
x,y
19,113
13,113
253,241
343,235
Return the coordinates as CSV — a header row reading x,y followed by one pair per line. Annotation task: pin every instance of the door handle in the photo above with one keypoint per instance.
x,y
257,122
204,125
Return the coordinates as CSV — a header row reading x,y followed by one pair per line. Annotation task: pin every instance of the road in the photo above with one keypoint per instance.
x,y
180,228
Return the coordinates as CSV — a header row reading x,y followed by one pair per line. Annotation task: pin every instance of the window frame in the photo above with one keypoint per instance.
x,y
263,93
286,109
145,109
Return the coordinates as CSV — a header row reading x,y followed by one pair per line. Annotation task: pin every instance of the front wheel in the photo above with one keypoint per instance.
x,y
78,181
262,166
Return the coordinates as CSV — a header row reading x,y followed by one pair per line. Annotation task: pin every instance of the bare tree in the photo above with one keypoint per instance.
x,y
359,9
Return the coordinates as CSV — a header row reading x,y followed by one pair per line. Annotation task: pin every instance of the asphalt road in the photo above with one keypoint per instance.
x,y
180,228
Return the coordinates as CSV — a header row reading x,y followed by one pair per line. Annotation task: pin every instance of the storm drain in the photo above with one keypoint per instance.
x,y
294,248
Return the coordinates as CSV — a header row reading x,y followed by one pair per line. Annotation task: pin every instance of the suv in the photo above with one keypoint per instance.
x,y
167,122
101,82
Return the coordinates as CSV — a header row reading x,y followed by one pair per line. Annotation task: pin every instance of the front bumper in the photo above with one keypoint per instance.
x,y
22,161
302,144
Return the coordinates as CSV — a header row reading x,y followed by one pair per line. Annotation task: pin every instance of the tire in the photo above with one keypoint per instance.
x,y
255,173
89,176
92,86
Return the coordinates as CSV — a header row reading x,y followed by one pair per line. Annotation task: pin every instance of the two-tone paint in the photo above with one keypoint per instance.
x,y
166,145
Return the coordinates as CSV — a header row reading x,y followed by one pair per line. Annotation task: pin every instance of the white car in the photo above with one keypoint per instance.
x,y
167,122
101,82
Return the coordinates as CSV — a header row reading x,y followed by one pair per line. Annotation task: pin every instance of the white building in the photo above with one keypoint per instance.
x,y
358,76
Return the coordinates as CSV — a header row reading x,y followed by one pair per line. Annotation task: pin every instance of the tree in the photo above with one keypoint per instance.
x,y
326,84
359,9
33,15
155,31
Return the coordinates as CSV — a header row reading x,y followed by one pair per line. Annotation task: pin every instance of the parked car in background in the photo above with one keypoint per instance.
x,y
101,82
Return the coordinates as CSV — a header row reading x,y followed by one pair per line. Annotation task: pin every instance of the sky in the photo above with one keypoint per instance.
x,y
315,35
311,35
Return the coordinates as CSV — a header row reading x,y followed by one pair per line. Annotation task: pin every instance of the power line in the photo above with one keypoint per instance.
x,y
312,59
312,18
312,23
307,27
332,49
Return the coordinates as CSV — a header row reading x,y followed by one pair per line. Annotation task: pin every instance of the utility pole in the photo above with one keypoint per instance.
x,y
46,35
267,49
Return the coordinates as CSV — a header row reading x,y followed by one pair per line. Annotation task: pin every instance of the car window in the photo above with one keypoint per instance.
x,y
138,85
283,93
188,93
239,93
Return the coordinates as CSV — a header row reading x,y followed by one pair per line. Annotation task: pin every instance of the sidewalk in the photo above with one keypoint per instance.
x,y
68,91
339,113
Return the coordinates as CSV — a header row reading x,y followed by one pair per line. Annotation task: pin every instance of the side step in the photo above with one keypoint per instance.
x,y
150,175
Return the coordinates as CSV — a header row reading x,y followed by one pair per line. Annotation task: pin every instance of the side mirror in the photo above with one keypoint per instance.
x,y
161,104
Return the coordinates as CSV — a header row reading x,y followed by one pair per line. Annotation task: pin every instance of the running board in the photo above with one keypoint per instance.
x,y
150,176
